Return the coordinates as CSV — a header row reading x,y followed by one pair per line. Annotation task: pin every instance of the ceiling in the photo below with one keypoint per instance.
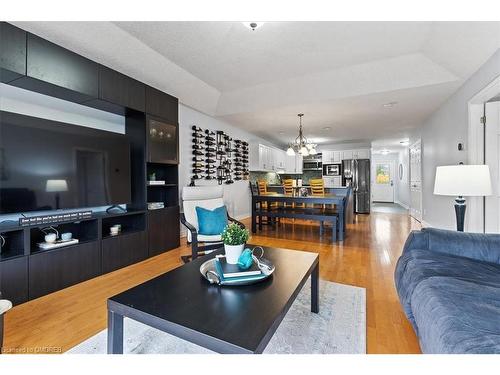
x,y
339,74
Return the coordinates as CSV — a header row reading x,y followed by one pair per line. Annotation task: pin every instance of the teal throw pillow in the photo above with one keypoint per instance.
x,y
211,222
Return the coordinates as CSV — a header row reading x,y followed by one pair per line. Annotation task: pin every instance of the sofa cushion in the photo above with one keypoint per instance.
x,y
457,316
417,265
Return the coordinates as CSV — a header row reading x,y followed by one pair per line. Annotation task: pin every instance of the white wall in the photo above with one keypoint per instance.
x,y
16,100
237,195
440,135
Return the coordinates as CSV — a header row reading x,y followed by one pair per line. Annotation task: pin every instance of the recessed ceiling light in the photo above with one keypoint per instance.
x,y
253,25
327,128
390,104
384,152
281,133
404,143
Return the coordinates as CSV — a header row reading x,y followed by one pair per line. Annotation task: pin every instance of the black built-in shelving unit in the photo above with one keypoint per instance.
x,y
26,272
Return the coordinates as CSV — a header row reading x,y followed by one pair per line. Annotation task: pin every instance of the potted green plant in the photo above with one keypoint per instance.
x,y
234,238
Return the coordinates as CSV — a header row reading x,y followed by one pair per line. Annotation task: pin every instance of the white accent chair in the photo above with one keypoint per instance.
x,y
5,306
208,197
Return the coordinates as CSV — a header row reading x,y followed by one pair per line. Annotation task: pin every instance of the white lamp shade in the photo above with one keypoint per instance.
x,y
290,151
54,186
463,180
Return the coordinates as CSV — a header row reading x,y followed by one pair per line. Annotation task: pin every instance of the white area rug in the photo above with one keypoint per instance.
x,y
340,327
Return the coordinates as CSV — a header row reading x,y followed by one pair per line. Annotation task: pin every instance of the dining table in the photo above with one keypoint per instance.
x,y
302,207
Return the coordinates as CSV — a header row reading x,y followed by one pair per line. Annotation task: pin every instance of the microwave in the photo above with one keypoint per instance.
x,y
312,163
332,169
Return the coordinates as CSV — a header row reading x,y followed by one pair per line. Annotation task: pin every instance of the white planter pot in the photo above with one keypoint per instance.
x,y
233,252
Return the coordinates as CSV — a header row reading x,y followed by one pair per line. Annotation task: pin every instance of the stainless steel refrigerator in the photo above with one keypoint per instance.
x,y
356,173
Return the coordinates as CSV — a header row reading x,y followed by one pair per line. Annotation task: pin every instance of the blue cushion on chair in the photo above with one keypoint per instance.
x,y
211,222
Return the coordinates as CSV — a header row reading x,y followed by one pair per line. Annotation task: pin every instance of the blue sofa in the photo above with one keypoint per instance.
x,y
449,285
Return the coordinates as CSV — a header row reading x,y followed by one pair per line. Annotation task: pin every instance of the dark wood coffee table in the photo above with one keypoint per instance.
x,y
223,319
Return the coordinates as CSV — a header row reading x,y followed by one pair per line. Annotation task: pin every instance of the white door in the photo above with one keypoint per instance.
x,y
383,183
416,181
492,153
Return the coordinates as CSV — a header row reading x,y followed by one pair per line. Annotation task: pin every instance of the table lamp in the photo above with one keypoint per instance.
x,y
56,186
462,181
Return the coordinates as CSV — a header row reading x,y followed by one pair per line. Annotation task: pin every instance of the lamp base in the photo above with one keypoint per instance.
x,y
460,207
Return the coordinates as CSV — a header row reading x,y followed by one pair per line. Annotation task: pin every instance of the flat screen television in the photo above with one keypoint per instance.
x,y
49,165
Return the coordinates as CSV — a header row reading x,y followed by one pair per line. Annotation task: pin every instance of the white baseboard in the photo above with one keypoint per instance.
x,y
402,204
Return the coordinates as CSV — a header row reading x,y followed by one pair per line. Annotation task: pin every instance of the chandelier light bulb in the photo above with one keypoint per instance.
x,y
290,151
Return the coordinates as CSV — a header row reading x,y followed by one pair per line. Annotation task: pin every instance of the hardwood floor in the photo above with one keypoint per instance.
x,y
367,258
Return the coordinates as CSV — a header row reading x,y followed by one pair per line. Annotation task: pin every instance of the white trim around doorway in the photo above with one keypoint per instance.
x,y
475,210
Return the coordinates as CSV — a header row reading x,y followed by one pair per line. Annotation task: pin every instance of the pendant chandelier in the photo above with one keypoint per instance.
x,y
301,145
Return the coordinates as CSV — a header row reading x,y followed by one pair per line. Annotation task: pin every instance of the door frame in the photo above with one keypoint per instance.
x,y
421,208
475,221
374,173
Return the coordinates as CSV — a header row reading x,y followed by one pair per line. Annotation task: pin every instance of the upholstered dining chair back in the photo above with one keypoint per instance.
x,y
208,197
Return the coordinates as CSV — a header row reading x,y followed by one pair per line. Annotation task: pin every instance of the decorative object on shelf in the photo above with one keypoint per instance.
x,y
152,177
115,229
301,145
234,238
50,238
156,205
66,236
462,181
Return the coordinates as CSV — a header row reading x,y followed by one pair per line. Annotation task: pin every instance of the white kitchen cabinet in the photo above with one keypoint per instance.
x,y
299,163
336,157
331,157
347,154
363,154
267,159
293,164
263,158
337,181
326,157
280,160
332,181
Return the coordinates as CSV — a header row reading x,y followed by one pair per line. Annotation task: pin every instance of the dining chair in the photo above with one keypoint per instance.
x,y
262,189
288,189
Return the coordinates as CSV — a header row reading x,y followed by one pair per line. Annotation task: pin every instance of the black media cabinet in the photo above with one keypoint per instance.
x,y
38,65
